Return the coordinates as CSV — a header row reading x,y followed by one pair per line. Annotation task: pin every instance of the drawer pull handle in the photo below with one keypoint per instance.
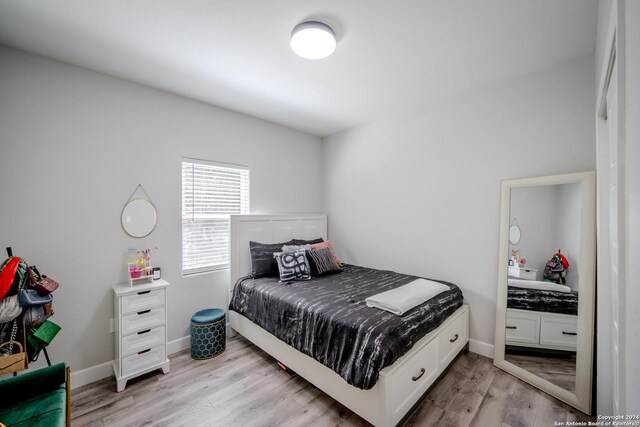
x,y
454,339
569,333
143,292
417,377
144,332
144,312
144,351
512,327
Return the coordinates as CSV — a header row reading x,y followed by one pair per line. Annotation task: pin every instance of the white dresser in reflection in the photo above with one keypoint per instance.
x,y
140,317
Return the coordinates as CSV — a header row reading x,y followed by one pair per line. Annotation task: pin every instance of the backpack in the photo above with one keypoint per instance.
x,y
556,269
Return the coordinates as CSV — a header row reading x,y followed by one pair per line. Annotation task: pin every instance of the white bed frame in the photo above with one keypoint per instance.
x,y
400,385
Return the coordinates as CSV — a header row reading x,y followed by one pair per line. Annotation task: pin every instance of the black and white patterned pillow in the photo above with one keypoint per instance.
x,y
292,266
321,262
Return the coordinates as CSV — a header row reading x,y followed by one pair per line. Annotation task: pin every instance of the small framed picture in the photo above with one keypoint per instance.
x,y
156,273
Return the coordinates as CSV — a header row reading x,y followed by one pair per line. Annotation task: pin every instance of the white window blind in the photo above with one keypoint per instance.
x,y
210,193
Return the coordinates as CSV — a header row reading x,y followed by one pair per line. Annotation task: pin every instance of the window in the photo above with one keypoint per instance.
x,y
210,193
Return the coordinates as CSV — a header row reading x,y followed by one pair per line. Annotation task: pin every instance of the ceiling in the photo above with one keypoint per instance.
x,y
392,56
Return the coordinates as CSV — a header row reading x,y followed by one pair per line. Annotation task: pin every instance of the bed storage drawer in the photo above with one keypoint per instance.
x,y
541,330
453,338
522,328
143,340
142,300
413,378
559,332
144,359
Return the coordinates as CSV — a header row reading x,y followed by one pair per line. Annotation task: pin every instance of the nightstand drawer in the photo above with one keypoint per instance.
x,y
143,340
142,300
145,319
143,360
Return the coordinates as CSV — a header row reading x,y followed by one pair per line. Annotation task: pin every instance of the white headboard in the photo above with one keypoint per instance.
x,y
268,229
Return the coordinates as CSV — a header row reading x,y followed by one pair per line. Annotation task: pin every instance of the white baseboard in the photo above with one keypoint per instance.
x,y
105,370
91,374
179,344
481,348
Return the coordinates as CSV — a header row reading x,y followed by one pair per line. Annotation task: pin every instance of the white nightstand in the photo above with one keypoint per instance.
x,y
140,316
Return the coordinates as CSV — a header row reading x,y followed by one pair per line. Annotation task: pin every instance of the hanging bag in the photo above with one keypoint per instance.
x,y
31,297
46,286
8,275
9,309
38,314
556,269
43,336
13,362
10,361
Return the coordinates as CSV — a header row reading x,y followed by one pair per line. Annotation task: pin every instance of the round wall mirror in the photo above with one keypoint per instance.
x,y
514,234
139,218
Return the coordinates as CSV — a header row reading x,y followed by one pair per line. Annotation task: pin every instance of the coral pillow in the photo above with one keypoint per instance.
x,y
329,246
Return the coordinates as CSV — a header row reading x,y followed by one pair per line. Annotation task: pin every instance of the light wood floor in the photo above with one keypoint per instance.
x,y
557,370
243,387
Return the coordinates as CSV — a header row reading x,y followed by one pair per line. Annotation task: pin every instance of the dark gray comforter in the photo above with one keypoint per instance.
x,y
540,300
327,318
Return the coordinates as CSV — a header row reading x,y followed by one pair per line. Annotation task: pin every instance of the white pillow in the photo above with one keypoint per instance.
x,y
293,248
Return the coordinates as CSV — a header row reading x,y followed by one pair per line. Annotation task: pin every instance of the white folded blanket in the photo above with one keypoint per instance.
x,y
535,284
400,300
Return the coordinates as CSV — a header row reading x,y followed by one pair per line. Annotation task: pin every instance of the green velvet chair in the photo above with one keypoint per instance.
x,y
37,398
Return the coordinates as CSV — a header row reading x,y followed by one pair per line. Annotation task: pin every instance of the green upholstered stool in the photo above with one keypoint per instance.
x,y
208,333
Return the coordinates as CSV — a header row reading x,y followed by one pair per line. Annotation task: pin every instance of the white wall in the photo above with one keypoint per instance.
x,y
75,144
534,209
420,192
567,229
549,219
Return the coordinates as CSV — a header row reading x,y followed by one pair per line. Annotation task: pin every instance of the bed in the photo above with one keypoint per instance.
x,y
542,319
543,300
398,386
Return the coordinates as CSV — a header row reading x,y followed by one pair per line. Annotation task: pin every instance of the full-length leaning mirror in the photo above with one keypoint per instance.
x,y
546,289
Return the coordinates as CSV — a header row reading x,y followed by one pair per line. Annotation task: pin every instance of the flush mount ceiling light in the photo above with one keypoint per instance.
x,y
313,40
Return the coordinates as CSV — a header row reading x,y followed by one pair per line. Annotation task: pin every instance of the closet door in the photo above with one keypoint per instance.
x,y
616,239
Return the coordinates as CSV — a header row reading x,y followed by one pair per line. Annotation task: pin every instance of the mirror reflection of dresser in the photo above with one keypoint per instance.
x,y
545,302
